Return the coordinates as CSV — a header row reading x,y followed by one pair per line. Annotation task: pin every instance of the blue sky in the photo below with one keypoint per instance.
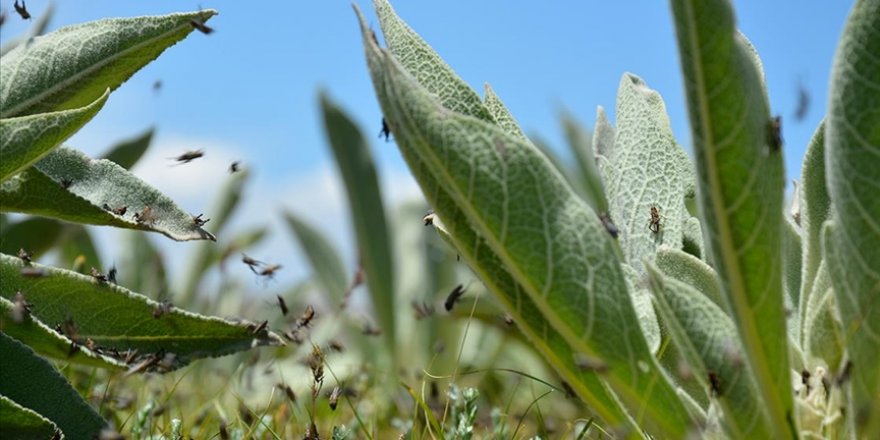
x,y
249,91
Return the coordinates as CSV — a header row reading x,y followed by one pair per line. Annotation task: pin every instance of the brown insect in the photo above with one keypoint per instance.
x,y
334,398
654,223
259,328
508,320
269,271
336,346
94,273
161,309
453,297
224,434
21,307
118,211
25,257
251,263
715,383
371,330
774,133
199,221
201,27
145,216
288,391
805,379
589,363
385,132
609,225
422,309
282,305
22,10
188,156
428,218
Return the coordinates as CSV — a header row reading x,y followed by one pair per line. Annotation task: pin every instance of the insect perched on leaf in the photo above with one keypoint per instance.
x,y
65,183
453,297
715,383
94,273
188,156
385,132
609,225
161,309
199,221
201,27
429,218
25,257
774,133
21,308
258,328
111,274
654,223
22,10
145,216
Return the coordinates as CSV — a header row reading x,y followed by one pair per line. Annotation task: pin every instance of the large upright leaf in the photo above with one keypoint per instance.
x,y
814,210
24,140
500,112
537,246
114,318
68,185
31,382
352,154
420,60
326,264
708,341
852,155
739,169
580,142
647,170
74,65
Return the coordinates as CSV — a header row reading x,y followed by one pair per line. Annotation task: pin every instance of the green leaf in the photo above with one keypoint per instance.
x,y
646,172
205,254
692,237
707,338
21,325
823,333
533,242
852,157
327,266
603,134
21,423
814,210
72,66
68,185
143,267
115,318
641,298
739,168
791,280
501,114
27,139
420,60
31,382
691,271
35,235
352,154
126,153
581,145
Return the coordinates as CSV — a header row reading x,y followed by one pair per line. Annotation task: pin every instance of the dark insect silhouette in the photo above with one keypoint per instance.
x,y
25,257
199,221
188,156
386,132
157,85
22,10
715,383
234,167
201,27
282,305
97,275
609,225
259,328
251,263
774,133
111,275
453,297
803,103
269,271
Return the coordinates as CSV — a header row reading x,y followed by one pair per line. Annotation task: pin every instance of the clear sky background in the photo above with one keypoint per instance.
x,y
249,91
